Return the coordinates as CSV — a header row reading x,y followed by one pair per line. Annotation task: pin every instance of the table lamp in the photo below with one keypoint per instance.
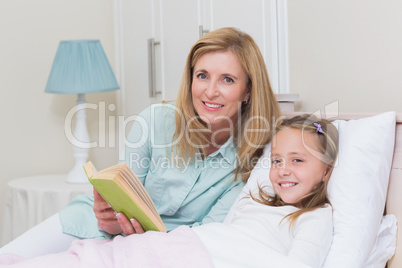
x,y
80,67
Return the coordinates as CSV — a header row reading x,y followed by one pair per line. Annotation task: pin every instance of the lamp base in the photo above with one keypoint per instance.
x,y
77,175
80,144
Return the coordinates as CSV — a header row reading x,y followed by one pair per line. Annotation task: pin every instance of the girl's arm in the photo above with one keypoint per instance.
x,y
312,237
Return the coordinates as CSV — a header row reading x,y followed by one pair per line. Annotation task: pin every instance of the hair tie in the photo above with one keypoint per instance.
x,y
319,129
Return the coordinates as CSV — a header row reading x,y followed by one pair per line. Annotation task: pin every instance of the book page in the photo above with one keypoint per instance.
x,y
131,181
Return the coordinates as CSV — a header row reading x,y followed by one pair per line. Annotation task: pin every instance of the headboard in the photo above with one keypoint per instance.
x,y
394,197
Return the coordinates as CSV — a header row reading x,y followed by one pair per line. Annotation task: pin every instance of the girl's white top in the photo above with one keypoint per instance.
x,y
256,237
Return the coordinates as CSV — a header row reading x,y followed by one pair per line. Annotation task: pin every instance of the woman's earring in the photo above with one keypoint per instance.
x,y
245,102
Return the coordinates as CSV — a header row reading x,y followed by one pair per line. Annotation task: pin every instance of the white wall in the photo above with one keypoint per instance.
x,y
32,139
348,51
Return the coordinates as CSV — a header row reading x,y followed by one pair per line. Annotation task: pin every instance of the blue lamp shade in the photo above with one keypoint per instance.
x,y
80,67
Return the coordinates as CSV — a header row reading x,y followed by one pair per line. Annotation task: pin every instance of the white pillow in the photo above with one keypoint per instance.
x,y
385,245
357,188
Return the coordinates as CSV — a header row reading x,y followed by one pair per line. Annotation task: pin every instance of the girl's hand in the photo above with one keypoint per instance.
x,y
105,215
129,227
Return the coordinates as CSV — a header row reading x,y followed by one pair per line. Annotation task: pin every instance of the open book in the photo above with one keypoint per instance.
x,y
124,192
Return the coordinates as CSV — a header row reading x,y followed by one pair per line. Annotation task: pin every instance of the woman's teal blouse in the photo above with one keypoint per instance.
x,y
185,192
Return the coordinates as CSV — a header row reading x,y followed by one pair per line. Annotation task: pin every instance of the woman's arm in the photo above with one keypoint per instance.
x,y
136,154
221,208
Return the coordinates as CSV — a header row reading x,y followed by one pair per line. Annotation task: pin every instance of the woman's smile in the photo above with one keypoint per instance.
x,y
212,106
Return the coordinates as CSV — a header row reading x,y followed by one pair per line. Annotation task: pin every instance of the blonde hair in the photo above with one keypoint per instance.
x,y
327,142
253,129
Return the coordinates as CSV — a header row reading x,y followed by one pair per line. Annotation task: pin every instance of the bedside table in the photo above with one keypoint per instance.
x,y
30,200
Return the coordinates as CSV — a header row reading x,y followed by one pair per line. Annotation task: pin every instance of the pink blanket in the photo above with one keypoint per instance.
x,y
179,248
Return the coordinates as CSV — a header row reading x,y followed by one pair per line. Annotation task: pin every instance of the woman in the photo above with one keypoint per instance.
x,y
211,138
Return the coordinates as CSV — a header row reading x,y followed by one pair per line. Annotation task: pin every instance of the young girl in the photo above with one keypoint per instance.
x,y
285,224
292,215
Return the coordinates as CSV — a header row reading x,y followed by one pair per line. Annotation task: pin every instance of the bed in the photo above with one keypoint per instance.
x,y
368,193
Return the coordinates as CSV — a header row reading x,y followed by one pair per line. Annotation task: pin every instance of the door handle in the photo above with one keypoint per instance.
x,y
201,31
151,68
